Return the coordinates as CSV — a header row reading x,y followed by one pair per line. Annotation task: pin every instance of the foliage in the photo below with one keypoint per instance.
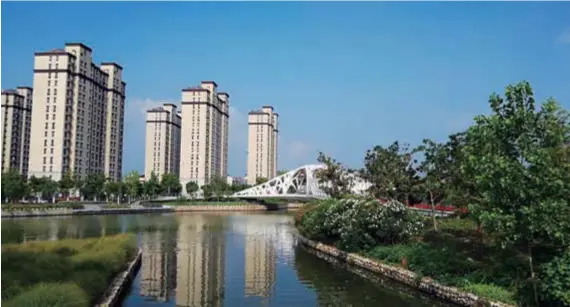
x,y
114,188
170,184
88,263
555,281
51,294
66,183
518,159
93,185
191,187
151,187
14,185
132,184
391,172
491,292
333,179
260,180
69,205
357,224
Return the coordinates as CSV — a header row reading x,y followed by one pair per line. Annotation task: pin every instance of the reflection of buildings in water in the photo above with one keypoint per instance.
x,y
201,256
260,258
157,267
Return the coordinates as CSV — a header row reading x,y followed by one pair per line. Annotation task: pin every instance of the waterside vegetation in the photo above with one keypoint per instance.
x,y
73,272
509,173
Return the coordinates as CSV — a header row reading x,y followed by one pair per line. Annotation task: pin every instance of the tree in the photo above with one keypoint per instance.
x,y
14,185
132,185
517,157
66,183
152,186
113,188
260,180
49,188
191,188
170,184
219,187
437,171
35,186
78,183
333,179
207,191
93,185
391,172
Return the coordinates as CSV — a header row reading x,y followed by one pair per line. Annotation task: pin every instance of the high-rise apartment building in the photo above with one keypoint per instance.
x,y
16,123
162,152
204,134
262,144
78,114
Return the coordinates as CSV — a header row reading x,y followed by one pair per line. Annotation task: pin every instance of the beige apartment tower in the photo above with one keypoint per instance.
x,y
16,125
204,134
262,144
162,151
78,115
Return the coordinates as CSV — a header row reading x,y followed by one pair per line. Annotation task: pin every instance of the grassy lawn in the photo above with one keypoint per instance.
x,y
457,255
72,273
205,203
69,205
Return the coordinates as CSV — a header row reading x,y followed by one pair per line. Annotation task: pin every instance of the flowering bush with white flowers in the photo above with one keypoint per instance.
x,y
356,224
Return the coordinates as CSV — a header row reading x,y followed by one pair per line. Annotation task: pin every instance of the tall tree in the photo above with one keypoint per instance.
x,y
132,185
66,184
113,189
14,185
517,159
170,184
152,186
49,188
219,187
94,185
333,179
35,186
436,171
391,171
78,183
191,188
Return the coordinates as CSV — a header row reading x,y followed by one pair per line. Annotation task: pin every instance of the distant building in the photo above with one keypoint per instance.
x,y
78,115
162,150
262,144
16,126
204,134
235,180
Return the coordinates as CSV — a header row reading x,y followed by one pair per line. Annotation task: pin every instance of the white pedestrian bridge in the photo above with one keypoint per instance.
x,y
298,184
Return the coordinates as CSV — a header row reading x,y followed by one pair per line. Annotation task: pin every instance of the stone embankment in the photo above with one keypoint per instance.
x,y
121,283
36,212
425,284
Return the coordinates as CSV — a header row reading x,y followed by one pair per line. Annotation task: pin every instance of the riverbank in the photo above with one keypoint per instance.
x,y
73,272
425,284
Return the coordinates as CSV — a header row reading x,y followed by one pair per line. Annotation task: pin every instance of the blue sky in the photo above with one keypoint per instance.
x,y
343,76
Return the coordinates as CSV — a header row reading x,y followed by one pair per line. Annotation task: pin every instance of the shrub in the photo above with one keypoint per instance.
x,y
355,224
555,281
52,295
491,292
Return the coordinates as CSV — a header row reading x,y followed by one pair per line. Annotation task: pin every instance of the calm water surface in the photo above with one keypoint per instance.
x,y
223,259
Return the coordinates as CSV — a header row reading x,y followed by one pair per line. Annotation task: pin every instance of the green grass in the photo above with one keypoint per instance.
x,y
27,207
79,270
457,255
205,203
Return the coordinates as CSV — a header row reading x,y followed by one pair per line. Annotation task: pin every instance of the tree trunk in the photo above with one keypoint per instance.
x,y
433,211
532,274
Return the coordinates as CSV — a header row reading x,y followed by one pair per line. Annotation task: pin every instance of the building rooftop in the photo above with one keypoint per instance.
x,y
195,89
10,92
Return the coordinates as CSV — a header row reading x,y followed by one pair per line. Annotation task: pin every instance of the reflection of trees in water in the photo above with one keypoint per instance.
x,y
340,285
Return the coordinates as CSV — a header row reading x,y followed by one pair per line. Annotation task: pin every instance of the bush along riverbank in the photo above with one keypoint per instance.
x,y
457,254
71,273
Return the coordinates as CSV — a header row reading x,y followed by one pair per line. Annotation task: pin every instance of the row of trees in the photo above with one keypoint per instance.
x,y
511,168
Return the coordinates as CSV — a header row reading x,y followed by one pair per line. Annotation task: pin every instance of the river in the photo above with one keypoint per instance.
x,y
223,259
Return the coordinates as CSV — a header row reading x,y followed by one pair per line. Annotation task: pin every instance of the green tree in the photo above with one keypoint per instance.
x,y
132,185
66,184
94,185
152,186
113,189
334,178
436,170
391,172
207,191
35,186
14,185
49,188
78,183
170,184
219,187
191,188
260,180
517,157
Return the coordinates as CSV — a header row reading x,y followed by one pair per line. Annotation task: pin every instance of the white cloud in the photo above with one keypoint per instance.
x,y
564,37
